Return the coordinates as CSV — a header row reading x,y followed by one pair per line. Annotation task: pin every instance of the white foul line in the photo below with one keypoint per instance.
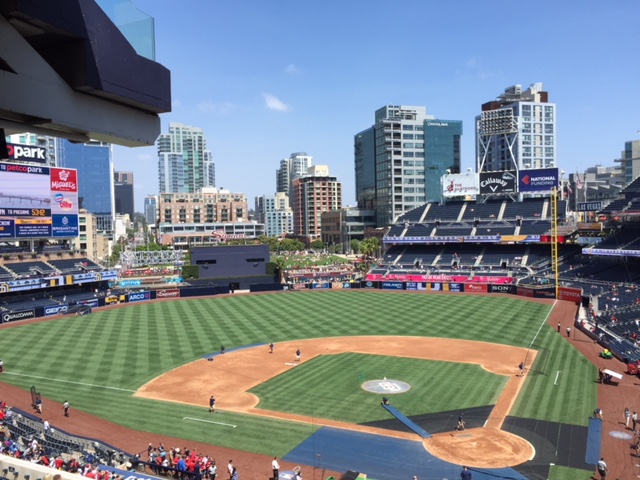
x,y
557,374
209,421
69,381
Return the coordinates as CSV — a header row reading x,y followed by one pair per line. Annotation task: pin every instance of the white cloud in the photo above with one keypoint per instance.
x,y
145,156
175,104
291,69
274,103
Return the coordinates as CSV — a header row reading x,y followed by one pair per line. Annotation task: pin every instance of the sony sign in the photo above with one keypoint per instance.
x,y
167,293
24,152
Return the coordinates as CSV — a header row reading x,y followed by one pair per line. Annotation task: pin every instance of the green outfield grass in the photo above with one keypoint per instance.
x,y
98,361
330,387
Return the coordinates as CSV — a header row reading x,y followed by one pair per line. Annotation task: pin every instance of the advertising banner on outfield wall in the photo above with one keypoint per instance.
x,y
55,310
498,182
454,287
538,180
90,303
411,285
164,293
502,288
524,292
460,185
139,297
570,294
434,287
475,287
21,315
392,285
548,292
370,284
320,285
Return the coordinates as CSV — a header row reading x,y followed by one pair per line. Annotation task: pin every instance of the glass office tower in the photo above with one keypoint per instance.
x,y
94,162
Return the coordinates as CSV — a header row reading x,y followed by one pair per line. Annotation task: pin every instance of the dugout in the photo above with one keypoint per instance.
x,y
218,262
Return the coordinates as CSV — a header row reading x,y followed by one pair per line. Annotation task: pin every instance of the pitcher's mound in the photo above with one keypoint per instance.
x,y
480,448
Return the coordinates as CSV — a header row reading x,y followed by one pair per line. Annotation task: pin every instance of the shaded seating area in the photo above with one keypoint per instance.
x,y
35,268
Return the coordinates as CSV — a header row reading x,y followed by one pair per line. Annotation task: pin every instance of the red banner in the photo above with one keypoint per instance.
x,y
570,294
524,292
64,180
406,277
476,287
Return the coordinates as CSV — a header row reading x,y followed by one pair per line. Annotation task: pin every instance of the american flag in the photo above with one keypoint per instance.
x,y
578,182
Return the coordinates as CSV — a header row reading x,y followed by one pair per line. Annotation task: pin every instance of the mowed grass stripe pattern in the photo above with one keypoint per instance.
x,y
330,387
126,347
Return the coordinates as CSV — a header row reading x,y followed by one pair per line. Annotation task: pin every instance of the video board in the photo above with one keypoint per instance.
x,y
38,202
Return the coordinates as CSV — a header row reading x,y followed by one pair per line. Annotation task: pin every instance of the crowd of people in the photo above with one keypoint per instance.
x,y
33,451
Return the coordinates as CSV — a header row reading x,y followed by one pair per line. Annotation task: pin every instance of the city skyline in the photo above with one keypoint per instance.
x,y
261,82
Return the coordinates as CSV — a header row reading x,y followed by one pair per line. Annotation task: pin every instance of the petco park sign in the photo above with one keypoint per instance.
x,y
24,152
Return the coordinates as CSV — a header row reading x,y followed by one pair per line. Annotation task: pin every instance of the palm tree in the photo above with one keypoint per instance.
x,y
280,265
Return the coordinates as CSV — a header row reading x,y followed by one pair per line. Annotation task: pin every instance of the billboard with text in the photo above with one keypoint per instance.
x,y
539,180
38,202
460,185
498,182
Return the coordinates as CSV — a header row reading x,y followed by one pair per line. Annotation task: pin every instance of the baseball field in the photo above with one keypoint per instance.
x,y
110,363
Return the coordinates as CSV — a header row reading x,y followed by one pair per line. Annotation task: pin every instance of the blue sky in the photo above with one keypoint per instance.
x,y
266,78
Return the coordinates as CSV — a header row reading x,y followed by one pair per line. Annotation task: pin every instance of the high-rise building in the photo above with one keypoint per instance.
x,y
400,159
365,168
171,172
123,194
291,168
210,205
441,153
314,193
517,131
184,164
94,162
276,214
150,209
630,161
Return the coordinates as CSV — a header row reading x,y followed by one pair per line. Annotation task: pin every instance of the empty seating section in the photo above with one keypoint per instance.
x,y
19,305
424,255
496,255
620,239
482,211
528,209
74,265
30,268
419,230
412,215
5,275
457,231
448,212
395,231
502,228
534,227
615,206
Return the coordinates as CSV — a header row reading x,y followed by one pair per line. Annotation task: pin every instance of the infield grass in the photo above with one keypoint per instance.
x,y
111,353
330,387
